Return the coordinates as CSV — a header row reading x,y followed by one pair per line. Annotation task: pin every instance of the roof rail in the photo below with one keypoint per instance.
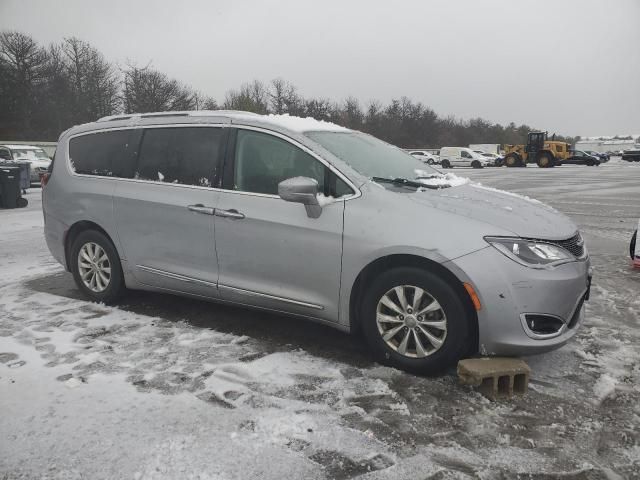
x,y
189,113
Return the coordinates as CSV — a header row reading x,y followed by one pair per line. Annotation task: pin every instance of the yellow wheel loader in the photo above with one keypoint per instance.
x,y
546,153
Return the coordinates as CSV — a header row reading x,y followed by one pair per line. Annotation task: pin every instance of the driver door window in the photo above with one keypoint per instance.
x,y
465,157
262,161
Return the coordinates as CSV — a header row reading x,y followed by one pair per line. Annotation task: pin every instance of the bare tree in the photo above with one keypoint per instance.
x,y
147,90
93,81
252,97
284,98
203,102
22,61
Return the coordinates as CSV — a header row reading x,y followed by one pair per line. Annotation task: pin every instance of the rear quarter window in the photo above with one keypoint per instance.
x,y
106,154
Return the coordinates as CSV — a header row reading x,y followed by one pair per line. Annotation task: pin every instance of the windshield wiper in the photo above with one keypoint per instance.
x,y
406,182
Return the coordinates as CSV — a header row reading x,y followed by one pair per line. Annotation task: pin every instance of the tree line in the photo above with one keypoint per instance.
x,y
46,89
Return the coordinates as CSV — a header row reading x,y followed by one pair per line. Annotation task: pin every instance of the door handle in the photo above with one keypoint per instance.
x,y
233,214
199,208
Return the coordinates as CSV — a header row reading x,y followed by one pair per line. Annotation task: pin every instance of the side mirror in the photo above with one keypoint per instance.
x,y
302,190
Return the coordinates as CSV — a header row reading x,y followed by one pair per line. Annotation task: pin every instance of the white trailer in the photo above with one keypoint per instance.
x,y
486,147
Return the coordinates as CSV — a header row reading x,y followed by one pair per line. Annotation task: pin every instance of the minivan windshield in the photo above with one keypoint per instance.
x,y
372,157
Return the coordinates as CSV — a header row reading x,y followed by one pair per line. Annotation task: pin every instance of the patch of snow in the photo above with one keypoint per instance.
x,y
446,180
298,124
323,200
604,388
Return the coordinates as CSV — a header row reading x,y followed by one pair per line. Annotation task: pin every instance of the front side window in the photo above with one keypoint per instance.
x,y
465,154
108,154
262,161
5,154
184,155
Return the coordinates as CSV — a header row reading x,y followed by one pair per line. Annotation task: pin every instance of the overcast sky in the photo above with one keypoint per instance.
x,y
571,67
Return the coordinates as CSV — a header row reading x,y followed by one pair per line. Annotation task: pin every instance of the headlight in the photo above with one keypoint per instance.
x,y
531,253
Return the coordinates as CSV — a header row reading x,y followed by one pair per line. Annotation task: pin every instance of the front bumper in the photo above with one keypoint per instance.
x,y
509,291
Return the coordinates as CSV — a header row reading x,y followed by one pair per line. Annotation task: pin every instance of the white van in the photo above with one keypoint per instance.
x,y
462,157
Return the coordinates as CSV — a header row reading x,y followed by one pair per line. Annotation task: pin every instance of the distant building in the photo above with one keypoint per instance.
x,y
607,144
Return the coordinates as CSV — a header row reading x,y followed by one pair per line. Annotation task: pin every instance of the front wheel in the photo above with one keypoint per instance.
x,y
415,321
632,245
96,268
512,161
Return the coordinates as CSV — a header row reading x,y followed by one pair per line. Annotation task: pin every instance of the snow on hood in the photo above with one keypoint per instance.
x,y
446,180
524,216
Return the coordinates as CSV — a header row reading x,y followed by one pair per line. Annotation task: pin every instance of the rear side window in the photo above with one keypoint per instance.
x,y
107,154
184,155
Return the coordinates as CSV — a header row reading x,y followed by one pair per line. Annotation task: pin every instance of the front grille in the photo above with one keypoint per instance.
x,y
575,245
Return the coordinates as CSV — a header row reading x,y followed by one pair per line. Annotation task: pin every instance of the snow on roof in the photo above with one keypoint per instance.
x,y
286,121
18,147
300,124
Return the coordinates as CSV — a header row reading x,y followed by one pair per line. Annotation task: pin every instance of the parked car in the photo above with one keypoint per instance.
x,y
426,157
496,160
581,158
313,220
631,155
603,157
634,248
462,157
36,156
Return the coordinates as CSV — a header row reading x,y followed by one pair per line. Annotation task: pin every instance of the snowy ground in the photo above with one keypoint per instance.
x,y
165,387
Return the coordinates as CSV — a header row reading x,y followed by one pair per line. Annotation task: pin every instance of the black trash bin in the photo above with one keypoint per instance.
x,y
25,174
10,187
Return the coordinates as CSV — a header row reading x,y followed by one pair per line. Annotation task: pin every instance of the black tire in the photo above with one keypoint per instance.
x,y
512,161
544,160
446,164
430,161
476,164
115,288
632,245
457,342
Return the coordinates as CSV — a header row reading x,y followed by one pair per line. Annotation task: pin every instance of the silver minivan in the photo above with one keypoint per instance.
x,y
314,220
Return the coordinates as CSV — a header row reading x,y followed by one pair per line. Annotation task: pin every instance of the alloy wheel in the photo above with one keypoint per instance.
x,y
94,267
411,321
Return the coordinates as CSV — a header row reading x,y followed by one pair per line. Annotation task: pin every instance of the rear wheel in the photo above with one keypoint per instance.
x,y
414,320
446,164
96,268
476,164
632,245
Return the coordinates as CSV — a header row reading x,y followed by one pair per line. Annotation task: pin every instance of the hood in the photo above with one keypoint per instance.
x,y
523,216
39,162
